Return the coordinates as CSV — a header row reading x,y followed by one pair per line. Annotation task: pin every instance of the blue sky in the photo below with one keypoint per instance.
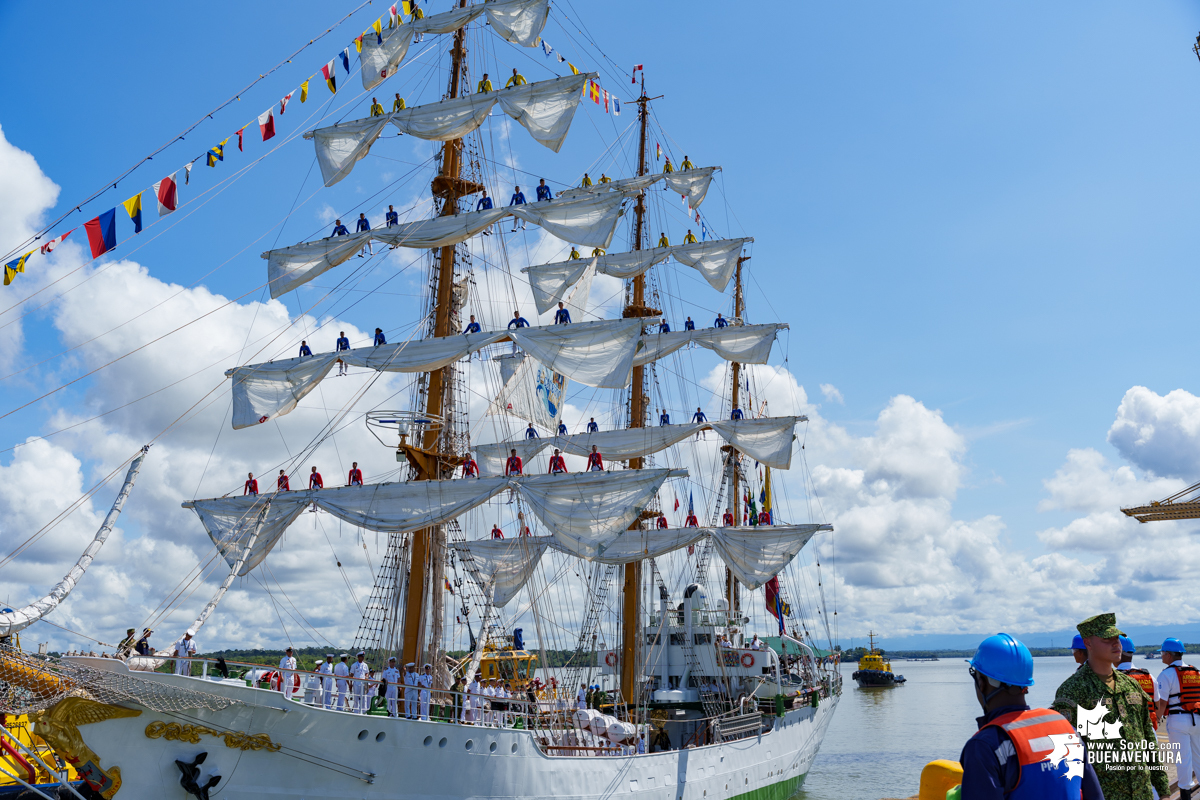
x,y
988,208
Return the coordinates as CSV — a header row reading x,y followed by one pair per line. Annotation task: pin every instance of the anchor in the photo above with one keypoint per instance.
x,y
189,780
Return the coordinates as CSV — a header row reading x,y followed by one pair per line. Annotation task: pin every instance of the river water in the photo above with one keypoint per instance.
x,y
881,738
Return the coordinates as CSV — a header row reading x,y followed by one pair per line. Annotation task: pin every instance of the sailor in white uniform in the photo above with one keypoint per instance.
x,y
581,696
361,671
183,649
342,672
425,681
391,678
410,690
327,682
488,692
312,687
288,679
472,701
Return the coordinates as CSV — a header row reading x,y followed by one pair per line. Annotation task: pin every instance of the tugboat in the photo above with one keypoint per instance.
x,y
873,670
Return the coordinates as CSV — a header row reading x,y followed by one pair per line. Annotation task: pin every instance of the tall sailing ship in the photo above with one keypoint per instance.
x,y
696,701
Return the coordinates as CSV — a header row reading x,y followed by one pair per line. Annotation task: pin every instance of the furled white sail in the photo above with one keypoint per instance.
x,y
639,544
544,108
603,505
588,221
755,555
691,183
15,621
234,570
598,354
715,260
767,440
380,60
585,511
503,565
749,344
519,21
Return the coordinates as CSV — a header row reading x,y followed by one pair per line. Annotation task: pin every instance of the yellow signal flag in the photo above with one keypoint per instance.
x,y
407,7
358,41
303,91
573,70
378,27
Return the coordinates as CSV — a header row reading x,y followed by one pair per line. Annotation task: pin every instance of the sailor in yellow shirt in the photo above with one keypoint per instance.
x,y
417,14
574,252
604,178
587,182
484,85
517,79
376,108
662,240
599,251
398,103
687,164
690,238
667,168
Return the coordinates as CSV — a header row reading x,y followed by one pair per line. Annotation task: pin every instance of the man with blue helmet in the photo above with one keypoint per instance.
x,y
1177,695
1142,676
1109,709
1079,649
1007,757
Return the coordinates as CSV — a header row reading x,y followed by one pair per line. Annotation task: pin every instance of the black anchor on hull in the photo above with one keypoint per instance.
x,y
190,779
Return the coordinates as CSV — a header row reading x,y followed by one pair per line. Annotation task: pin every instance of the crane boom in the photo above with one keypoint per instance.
x,y
1181,505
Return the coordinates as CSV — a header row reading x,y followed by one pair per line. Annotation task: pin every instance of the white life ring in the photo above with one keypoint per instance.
x,y
611,659
747,660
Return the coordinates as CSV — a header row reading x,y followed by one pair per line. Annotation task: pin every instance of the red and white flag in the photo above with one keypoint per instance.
x,y
266,124
166,193
633,75
49,246
283,103
605,101
239,135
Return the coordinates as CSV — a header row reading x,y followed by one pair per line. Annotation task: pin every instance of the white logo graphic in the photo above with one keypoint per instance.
x,y
1067,747
1091,724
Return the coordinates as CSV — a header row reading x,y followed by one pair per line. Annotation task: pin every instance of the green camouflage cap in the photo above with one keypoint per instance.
x,y
1102,625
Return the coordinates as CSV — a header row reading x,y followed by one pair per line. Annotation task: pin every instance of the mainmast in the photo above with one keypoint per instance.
x,y
630,610
429,458
731,585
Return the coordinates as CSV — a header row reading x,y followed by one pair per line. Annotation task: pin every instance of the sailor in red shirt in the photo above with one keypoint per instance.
x,y
662,522
764,517
514,466
727,519
470,468
314,480
558,464
691,521
595,461
251,486
355,477
496,532
521,522
281,483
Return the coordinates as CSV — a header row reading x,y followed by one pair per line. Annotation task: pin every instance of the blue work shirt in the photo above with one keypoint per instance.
x,y
343,343
483,204
689,326
562,317
543,193
391,218
593,427
562,429
699,417
305,351
519,322
472,327
986,776
380,339
364,224
530,433
720,322
340,230
664,327
518,199
664,418
737,414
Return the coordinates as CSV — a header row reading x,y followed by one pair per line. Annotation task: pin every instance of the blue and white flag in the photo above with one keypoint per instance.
x,y
546,48
616,106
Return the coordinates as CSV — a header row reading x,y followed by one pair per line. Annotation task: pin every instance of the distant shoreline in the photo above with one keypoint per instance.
x,y
1036,651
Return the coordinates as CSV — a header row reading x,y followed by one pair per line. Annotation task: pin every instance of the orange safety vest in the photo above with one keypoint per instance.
x,y
1146,681
1031,729
1188,699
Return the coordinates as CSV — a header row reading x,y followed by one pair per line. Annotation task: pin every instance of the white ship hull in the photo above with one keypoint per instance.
x,y
331,754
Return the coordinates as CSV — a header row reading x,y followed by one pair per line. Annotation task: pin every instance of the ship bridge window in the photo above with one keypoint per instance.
x,y
679,639
523,669
702,638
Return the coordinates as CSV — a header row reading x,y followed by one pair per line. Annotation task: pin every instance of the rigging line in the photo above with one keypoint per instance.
x,y
275,607
338,561
216,440
77,633
188,583
319,636
180,136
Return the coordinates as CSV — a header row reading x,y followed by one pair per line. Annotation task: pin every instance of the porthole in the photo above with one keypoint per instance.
x,y
470,744
429,741
492,747
442,743
379,737
362,735
514,747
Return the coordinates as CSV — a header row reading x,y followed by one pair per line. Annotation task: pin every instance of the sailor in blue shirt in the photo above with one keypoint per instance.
x,y
562,428
530,433
472,326
484,204
543,191
391,218
699,416
737,413
339,229
379,337
562,316
592,427
305,352
342,344
663,417
720,322
663,327
517,322
689,325
362,226
518,199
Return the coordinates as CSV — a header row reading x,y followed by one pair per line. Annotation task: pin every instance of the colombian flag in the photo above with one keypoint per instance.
x,y
13,267
133,207
102,232
330,75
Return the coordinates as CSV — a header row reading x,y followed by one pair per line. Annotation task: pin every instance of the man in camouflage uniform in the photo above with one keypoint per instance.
x,y
1124,774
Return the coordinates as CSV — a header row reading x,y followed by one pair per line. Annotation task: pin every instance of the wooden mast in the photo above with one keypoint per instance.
x,y
632,584
425,458
731,586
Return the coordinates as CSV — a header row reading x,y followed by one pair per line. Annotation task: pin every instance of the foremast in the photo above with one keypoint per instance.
x,y
731,584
